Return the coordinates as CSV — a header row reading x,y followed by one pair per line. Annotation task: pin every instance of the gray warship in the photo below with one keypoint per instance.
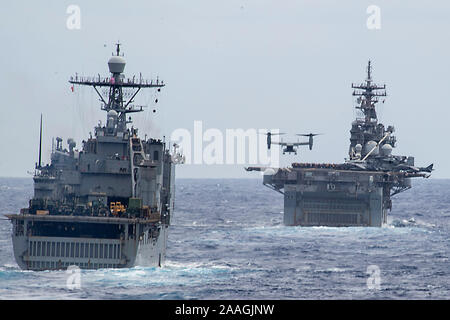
x,y
354,193
108,205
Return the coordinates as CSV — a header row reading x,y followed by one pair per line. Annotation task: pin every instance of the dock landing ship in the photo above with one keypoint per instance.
x,y
354,193
108,205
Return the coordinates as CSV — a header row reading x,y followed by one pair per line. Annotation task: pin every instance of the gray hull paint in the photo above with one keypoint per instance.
x,y
47,253
108,204
337,209
354,193
337,198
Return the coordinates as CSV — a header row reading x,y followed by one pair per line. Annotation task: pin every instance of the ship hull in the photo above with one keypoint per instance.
x,y
334,198
333,210
145,246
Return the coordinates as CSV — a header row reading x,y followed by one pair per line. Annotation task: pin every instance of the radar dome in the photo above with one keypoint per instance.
x,y
369,146
112,114
116,64
386,149
358,148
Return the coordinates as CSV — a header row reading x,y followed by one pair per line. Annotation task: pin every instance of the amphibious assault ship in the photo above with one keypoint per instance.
x,y
108,205
354,193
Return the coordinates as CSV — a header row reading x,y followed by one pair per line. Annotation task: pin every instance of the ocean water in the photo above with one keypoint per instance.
x,y
227,241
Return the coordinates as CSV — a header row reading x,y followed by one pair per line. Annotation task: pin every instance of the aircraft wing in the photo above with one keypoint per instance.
x,y
407,168
299,144
255,168
294,144
280,143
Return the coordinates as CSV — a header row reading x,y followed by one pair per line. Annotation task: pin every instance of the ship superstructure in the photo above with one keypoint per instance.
x,y
107,205
354,193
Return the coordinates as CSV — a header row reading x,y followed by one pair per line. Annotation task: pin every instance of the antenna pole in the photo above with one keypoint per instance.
x,y
40,143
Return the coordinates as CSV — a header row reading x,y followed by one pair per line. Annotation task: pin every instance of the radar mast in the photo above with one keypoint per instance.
x,y
116,83
368,94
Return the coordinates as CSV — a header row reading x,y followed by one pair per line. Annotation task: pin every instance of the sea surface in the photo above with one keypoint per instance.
x,y
227,241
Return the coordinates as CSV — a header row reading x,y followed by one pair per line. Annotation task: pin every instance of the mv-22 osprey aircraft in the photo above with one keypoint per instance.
x,y
291,147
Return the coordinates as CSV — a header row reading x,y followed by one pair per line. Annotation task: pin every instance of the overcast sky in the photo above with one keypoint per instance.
x,y
230,64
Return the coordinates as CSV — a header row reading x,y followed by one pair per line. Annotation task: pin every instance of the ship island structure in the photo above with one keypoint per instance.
x,y
108,205
354,193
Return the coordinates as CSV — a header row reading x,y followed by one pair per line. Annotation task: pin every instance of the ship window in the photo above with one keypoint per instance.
x,y
86,250
96,251
38,248
101,252
82,250
89,167
48,252
156,155
91,250
110,251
